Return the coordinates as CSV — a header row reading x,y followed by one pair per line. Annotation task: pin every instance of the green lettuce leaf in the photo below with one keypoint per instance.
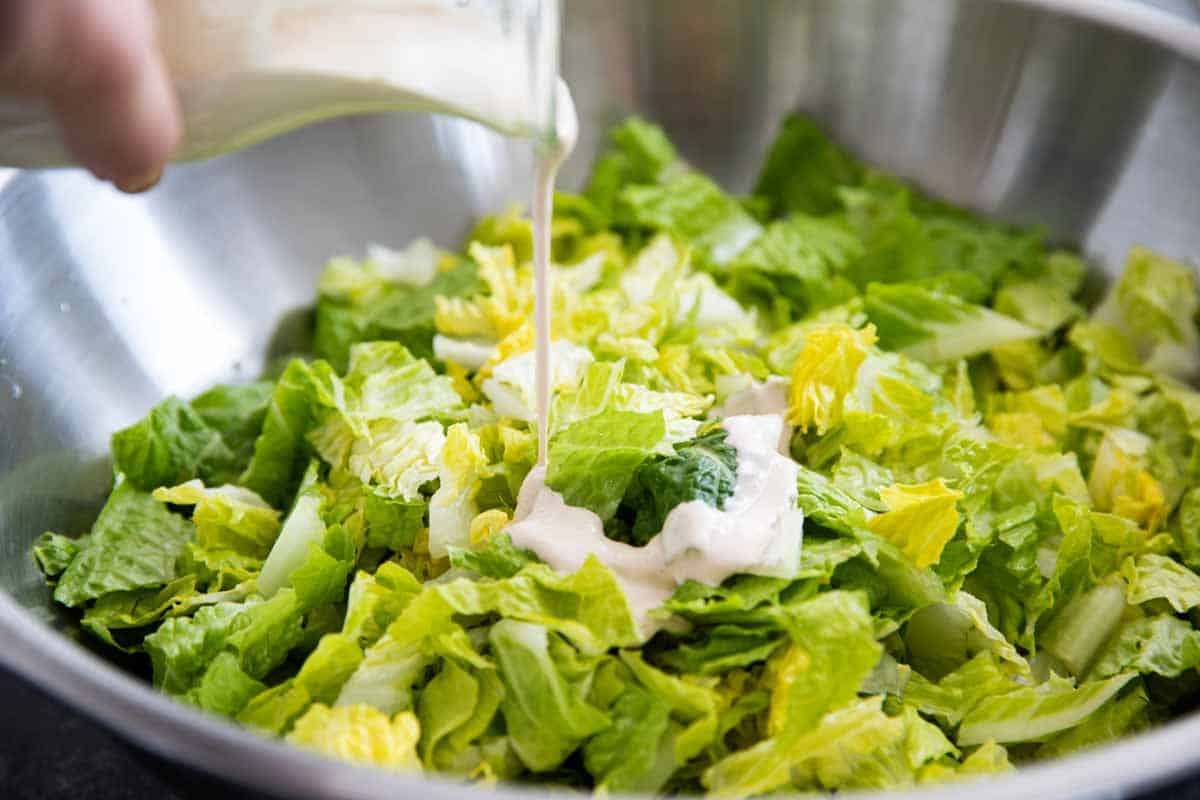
x,y
704,468
1163,645
833,651
497,559
936,327
592,461
394,312
1034,713
172,444
633,754
281,451
1151,576
224,688
236,412
55,552
546,714
692,208
803,170
134,544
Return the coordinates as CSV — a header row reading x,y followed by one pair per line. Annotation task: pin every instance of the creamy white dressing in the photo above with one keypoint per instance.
x,y
566,132
758,532
761,397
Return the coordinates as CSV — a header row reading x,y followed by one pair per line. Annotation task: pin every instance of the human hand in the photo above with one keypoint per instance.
x,y
97,64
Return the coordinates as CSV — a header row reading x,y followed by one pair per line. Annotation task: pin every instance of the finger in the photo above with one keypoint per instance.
x,y
98,65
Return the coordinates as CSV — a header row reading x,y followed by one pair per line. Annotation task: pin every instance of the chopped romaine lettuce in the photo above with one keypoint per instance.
x,y
998,491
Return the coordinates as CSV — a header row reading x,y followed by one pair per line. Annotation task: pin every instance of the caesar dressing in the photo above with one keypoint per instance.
x,y
566,132
761,397
758,532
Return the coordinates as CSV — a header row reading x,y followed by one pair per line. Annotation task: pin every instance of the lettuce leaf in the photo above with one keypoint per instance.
x,y
172,444
134,544
803,170
362,735
546,713
592,461
1031,714
704,468
935,327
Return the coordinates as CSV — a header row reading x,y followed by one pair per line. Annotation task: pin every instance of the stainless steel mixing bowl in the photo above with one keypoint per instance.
x,y
1080,115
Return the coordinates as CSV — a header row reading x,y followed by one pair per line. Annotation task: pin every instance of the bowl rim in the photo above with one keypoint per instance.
x,y
155,722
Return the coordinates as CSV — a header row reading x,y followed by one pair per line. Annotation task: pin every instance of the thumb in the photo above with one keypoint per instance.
x,y
97,64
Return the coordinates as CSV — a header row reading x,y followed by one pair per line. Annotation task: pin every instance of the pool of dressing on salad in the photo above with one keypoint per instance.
x,y
759,529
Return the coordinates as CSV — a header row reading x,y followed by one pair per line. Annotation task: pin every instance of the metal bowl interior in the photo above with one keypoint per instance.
x,y
1083,117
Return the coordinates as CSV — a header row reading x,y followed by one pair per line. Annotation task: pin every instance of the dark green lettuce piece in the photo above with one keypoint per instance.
x,y
803,170
704,468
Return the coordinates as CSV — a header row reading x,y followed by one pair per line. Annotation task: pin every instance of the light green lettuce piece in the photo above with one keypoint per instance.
x,y
633,755
511,387
224,688
1151,576
587,607
141,607
497,559
695,704
462,467
226,517
798,260
692,208
134,544
362,735
1034,713
1122,716
263,634
592,461
833,651
397,457
1154,306
374,601
934,327
862,747
172,444
719,649
181,648
953,696
54,552
320,579
275,710
302,528
546,713
942,637
389,383
329,666
1078,631
455,707
1163,645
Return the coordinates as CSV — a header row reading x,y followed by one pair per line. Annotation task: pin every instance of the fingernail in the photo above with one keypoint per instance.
x,y
139,185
